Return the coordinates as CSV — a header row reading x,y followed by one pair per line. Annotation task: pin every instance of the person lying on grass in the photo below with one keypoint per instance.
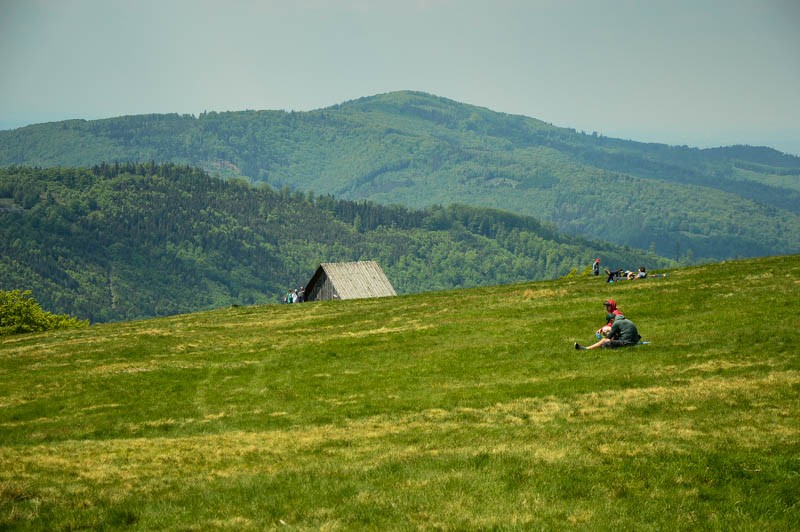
x,y
622,334
614,275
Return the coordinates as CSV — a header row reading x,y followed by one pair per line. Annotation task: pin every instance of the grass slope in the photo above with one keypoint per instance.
x,y
451,410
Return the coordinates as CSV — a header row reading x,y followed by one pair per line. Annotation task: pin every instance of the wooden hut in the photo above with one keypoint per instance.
x,y
348,280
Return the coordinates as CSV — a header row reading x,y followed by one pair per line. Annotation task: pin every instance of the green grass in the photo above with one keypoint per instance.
x,y
450,410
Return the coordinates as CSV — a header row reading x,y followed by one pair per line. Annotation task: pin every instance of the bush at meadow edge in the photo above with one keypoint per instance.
x,y
20,313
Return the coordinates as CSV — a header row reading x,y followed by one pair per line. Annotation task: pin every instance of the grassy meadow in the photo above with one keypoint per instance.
x,y
456,410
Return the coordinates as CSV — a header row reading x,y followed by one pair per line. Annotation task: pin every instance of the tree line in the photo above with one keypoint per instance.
x,y
130,240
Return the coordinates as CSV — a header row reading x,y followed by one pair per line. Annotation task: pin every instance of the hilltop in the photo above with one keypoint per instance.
x,y
420,150
463,409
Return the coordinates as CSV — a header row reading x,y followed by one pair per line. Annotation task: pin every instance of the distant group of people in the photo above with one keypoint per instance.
x,y
297,295
616,275
618,330
620,274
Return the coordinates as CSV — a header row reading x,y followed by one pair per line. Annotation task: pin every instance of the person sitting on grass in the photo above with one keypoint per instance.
x,y
622,334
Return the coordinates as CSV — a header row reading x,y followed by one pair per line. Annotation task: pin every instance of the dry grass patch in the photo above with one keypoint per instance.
x,y
696,389
544,294
416,326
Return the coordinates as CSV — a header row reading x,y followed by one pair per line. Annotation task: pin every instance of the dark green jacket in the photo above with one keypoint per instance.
x,y
624,329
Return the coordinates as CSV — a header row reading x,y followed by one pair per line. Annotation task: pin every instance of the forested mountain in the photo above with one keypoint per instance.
x,y
420,150
124,241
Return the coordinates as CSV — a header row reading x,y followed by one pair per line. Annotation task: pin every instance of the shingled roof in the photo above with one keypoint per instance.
x,y
348,280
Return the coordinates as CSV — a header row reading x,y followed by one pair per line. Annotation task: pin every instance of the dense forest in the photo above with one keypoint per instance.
x,y
131,240
420,151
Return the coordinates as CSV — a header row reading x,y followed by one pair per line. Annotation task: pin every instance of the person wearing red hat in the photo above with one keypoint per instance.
x,y
622,334
611,311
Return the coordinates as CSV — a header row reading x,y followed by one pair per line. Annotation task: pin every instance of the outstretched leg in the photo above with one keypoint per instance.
x,y
601,343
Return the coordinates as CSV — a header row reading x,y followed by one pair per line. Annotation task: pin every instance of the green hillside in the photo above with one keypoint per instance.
x,y
120,242
454,410
420,150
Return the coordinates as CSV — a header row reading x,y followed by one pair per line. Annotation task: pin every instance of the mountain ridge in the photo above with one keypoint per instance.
x,y
419,150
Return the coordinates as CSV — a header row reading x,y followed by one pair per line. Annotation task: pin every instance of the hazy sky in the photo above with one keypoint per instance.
x,y
696,72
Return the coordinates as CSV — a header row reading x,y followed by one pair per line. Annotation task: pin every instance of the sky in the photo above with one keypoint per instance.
x,y
700,73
